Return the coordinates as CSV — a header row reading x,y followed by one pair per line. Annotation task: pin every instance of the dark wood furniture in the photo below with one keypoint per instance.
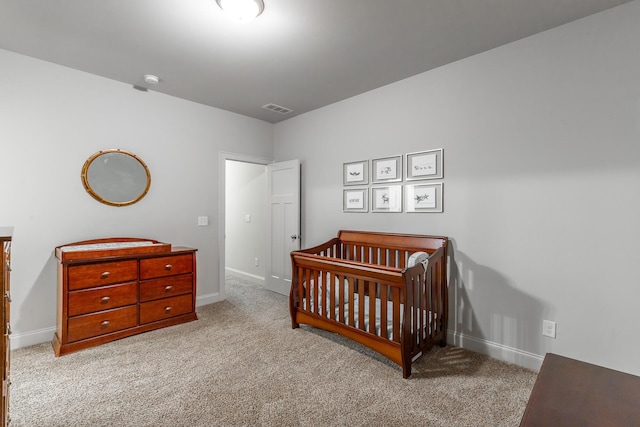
x,y
358,285
114,288
6,234
569,392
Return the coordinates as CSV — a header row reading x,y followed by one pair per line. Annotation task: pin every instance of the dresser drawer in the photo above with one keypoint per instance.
x,y
165,308
90,275
166,287
103,298
104,322
166,266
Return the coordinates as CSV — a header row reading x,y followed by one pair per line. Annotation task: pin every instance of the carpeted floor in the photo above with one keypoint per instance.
x,y
241,364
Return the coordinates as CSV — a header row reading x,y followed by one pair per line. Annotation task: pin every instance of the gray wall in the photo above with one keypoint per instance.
x,y
52,119
542,176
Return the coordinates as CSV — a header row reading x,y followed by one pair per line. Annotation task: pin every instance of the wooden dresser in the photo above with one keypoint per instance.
x,y
114,288
6,234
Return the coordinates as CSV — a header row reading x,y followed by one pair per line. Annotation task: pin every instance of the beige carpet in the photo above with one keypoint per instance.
x,y
241,364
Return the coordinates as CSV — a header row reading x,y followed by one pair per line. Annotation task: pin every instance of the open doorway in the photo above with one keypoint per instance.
x,y
243,218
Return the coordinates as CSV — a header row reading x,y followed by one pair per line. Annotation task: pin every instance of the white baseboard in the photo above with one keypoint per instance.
x,y
27,339
247,276
209,299
497,351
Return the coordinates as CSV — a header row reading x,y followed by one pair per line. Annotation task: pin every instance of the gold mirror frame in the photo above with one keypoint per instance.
x,y
120,179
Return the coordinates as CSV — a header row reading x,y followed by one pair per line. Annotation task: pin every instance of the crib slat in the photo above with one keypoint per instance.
x,y
323,288
308,288
341,302
428,297
316,285
384,332
439,304
433,303
300,287
372,307
361,298
395,324
351,302
416,313
418,332
331,280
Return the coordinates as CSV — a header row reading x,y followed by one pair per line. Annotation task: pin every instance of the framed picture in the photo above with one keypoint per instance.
x,y
355,200
423,197
388,169
386,199
355,173
424,165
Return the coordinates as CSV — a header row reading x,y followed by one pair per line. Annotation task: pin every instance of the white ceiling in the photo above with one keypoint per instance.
x,y
299,54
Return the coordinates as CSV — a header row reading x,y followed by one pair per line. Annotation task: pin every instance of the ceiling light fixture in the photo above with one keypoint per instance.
x,y
151,79
241,10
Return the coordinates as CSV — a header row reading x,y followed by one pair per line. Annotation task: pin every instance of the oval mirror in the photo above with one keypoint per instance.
x,y
116,177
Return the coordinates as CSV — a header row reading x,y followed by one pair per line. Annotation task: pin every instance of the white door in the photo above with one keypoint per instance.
x,y
283,187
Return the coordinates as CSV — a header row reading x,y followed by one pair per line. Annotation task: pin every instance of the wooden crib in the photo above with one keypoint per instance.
x,y
359,285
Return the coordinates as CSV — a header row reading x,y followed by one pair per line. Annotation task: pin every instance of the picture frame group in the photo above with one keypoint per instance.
x,y
387,192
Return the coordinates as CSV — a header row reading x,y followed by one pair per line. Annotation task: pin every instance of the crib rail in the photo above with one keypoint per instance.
x,y
331,294
385,248
338,289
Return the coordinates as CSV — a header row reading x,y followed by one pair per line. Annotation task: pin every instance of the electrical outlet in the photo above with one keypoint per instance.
x,y
549,328
256,261
203,220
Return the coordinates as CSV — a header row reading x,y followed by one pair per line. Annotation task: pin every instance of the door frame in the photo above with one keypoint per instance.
x,y
223,156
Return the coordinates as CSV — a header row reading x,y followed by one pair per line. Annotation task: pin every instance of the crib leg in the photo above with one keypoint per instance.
x,y
294,324
406,370
443,340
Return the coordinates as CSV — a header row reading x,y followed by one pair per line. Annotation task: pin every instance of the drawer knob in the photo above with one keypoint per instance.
x,y
7,295
168,288
104,323
104,300
105,275
167,309
168,267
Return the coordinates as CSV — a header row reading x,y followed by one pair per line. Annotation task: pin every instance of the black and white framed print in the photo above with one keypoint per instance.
x,y
423,197
388,169
425,165
355,173
355,200
386,199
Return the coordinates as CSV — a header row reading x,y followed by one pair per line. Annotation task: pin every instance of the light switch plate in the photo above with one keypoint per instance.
x,y
203,220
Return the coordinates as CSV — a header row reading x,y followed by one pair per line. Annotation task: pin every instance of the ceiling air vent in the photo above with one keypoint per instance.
x,y
277,108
